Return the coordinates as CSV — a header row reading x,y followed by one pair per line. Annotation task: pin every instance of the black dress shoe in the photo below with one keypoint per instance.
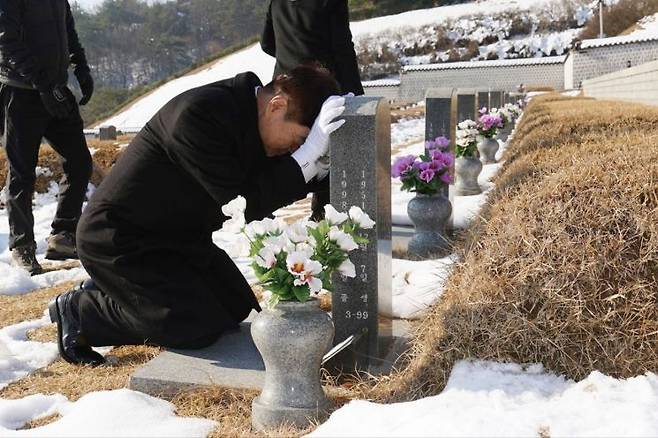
x,y
71,343
88,285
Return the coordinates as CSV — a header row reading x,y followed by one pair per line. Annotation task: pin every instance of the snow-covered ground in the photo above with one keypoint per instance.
x,y
15,281
120,413
493,399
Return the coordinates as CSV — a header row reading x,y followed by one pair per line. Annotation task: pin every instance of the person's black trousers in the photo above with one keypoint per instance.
x,y
25,122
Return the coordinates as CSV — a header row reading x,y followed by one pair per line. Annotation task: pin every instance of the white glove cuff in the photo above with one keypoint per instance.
x,y
308,166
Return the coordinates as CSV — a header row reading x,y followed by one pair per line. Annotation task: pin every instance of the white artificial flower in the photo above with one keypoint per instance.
x,y
266,258
235,208
276,226
304,270
278,244
347,268
361,218
344,240
311,224
332,216
235,211
255,229
297,233
305,247
233,225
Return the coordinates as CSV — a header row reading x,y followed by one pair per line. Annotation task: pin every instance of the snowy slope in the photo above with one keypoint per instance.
x,y
648,27
364,32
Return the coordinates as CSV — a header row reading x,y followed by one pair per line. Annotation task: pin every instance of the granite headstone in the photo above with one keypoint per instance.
x,y
107,133
441,117
467,104
483,99
496,100
361,176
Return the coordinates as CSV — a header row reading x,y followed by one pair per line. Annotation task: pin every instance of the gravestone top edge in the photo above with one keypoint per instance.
x,y
466,91
439,93
360,106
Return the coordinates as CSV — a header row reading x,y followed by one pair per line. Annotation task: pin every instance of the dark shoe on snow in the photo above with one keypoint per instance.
x,y
71,343
25,257
61,246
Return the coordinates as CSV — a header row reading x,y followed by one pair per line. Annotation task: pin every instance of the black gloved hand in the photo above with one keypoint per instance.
x,y
59,101
83,75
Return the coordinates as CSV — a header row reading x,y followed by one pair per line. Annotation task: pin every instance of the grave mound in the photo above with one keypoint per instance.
x,y
563,268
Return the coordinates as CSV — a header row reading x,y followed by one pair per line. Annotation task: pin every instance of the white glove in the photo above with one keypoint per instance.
x,y
317,142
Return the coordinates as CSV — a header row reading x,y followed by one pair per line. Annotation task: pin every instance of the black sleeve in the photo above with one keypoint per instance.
x,y
347,68
201,150
14,51
76,51
267,42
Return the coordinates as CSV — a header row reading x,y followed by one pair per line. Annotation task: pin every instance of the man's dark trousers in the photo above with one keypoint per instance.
x,y
25,122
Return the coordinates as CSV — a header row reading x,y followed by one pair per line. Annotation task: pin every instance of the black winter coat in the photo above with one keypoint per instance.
x,y
145,236
38,42
298,31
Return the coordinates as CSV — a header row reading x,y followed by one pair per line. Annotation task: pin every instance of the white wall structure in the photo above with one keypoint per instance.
x,y
636,84
504,75
386,88
597,57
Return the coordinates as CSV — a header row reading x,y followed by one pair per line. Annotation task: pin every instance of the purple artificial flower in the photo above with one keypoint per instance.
x,y
427,175
442,142
446,178
402,165
488,122
444,158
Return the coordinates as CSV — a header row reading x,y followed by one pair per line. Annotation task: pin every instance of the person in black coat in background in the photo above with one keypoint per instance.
x,y
145,236
38,44
298,31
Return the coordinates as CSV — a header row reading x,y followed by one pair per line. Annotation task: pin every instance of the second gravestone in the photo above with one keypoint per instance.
x,y
361,176
467,104
441,117
483,99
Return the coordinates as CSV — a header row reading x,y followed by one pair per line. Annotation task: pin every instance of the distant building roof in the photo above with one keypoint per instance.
x,y
614,41
483,64
381,83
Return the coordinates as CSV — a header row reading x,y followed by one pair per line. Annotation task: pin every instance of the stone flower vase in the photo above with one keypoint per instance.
x,y
429,213
488,148
291,338
467,170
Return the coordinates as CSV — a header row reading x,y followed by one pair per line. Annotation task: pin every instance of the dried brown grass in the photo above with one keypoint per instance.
x,y
106,154
563,267
18,308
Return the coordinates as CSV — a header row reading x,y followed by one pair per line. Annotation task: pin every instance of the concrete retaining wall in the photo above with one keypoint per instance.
x,y
390,92
637,84
481,74
591,62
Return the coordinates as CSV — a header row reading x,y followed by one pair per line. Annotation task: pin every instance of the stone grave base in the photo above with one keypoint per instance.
x,y
234,362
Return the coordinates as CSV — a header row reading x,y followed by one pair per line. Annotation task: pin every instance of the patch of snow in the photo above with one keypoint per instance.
x,y
120,413
14,280
416,286
494,399
20,356
406,130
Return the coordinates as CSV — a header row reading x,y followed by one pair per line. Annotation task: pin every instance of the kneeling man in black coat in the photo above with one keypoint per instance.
x,y
145,236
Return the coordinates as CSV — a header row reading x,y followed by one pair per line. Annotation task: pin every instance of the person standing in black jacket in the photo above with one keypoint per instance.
x,y
299,31
145,237
38,43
